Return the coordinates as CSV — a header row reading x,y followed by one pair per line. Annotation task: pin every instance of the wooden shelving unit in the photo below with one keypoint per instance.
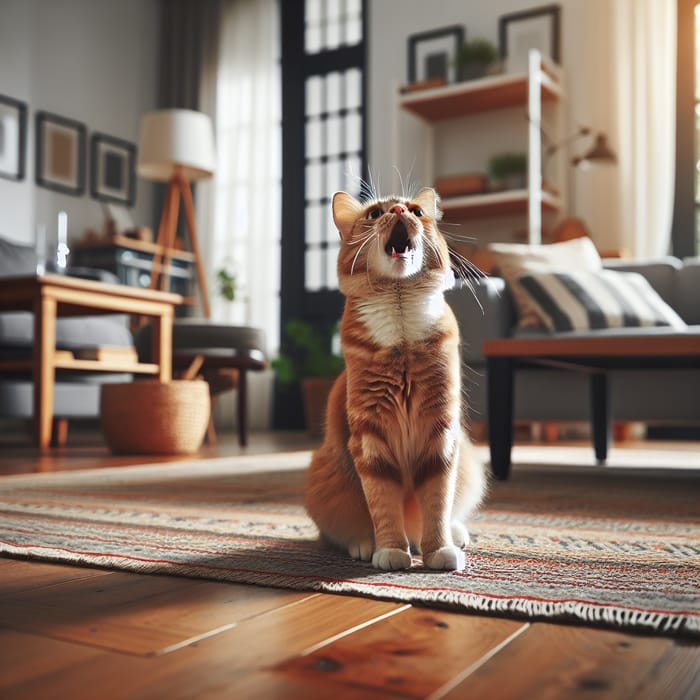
x,y
506,203
482,95
542,83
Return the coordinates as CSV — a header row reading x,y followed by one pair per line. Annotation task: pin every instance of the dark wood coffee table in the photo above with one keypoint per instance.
x,y
592,355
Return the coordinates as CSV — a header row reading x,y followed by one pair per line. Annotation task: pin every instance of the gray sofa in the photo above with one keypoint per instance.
x,y
649,396
77,394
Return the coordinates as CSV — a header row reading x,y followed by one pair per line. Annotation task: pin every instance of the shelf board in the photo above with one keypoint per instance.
x,y
64,362
507,203
472,96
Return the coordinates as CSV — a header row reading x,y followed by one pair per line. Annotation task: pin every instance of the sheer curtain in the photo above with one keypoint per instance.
x,y
240,207
645,81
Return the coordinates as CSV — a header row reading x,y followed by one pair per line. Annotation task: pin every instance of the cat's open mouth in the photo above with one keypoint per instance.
x,y
399,244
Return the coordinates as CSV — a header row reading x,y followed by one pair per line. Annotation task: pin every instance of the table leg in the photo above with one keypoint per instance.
x,y
162,349
500,412
242,407
43,370
600,415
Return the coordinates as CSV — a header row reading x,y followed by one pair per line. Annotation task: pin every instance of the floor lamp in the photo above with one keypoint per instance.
x,y
176,146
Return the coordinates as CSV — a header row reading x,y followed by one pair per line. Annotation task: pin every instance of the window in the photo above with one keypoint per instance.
x,y
323,150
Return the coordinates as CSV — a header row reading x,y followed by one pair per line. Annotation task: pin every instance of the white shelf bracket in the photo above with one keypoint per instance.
x,y
534,173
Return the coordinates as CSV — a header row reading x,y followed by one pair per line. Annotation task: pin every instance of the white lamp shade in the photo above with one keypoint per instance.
x,y
176,140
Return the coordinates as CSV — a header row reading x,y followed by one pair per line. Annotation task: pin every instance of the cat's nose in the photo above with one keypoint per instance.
x,y
397,209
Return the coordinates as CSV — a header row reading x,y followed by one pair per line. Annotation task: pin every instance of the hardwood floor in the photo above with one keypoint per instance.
x,y
69,632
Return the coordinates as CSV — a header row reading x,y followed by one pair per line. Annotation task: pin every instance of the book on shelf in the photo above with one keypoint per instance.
x,y
113,353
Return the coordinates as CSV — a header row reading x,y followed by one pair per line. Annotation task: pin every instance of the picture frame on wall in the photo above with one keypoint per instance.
x,y
538,28
13,138
432,55
60,153
112,169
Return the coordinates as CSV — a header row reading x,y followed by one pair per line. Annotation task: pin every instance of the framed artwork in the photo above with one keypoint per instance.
x,y
433,54
538,28
60,153
112,169
13,138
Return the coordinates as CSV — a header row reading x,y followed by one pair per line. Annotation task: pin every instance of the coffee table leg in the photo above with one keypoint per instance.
x,y
43,370
600,415
162,348
500,408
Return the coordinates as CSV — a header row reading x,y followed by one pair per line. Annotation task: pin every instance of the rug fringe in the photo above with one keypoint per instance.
x,y
585,612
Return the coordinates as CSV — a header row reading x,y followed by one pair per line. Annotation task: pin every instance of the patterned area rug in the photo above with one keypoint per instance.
x,y
609,547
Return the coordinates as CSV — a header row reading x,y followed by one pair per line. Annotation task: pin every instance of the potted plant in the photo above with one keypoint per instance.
x,y
307,356
509,170
226,283
474,57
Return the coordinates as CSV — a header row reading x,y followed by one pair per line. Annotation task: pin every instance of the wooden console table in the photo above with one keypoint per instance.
x,y
592,355
49,296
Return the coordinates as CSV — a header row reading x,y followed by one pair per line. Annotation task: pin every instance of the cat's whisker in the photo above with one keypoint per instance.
x,y
361,239
359,250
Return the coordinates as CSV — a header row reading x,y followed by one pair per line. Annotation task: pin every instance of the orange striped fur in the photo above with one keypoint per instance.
x,y
396,469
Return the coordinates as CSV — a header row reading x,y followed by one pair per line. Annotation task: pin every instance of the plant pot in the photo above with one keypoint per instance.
x,y
472,70
316,391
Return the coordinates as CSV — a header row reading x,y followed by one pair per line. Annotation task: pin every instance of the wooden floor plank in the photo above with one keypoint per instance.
x,y
264,685
19,575
555,661
26,657
135,613
412,653
214,665
676,676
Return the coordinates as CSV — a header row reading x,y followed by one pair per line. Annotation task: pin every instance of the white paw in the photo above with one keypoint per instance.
x,y
460,536
361,549
446,558
391,559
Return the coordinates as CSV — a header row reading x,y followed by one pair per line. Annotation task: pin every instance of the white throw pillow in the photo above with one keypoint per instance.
x,y
513,259
581,300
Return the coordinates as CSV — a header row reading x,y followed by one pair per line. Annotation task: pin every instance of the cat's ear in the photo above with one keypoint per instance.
x,y
346,209
428,200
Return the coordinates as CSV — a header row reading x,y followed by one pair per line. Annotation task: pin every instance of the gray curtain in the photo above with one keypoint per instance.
x,y
188,56
189,43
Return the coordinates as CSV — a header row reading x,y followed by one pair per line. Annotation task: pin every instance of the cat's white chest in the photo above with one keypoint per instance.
x,y
391,319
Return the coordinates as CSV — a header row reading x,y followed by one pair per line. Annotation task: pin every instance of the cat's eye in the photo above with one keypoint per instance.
x,y
374,213
417,211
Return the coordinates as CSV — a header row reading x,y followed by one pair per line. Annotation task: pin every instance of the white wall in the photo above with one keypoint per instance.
x,y
90,60
466,144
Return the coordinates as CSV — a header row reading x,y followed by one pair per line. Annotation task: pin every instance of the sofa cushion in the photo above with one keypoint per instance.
x,y
661,273
16,259
584,300
72,333
513,259
687,300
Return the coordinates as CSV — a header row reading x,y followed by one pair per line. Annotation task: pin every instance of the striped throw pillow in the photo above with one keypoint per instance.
x,y
583,300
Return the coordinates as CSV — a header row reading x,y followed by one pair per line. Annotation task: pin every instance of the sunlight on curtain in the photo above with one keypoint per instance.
x,y
245,197
645,75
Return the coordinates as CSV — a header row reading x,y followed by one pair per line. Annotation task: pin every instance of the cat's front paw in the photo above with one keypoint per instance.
x,y
448,558
361,549
391,559
460,535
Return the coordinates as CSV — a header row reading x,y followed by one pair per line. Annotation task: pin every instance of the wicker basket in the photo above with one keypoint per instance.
x,y
150,417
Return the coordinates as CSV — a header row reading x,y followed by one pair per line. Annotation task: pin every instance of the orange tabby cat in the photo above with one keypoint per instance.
x,y
396,469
